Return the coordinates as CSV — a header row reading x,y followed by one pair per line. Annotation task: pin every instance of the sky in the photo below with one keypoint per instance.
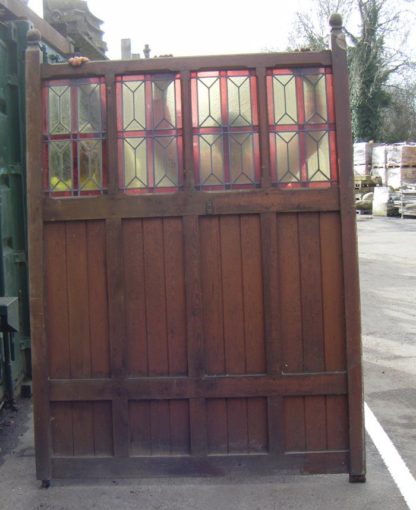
x,y
209,27
186,27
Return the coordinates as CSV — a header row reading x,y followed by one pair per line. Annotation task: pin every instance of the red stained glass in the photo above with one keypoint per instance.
x,y
74,132
302,127
149,125
225,127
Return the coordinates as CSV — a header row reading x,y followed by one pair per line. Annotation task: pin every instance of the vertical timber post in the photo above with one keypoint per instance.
x,y
350,253
36,268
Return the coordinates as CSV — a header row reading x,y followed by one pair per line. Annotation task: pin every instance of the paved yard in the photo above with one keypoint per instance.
x,y
388,276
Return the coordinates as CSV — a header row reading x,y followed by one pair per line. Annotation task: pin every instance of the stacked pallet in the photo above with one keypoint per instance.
x,y
394,164
362,158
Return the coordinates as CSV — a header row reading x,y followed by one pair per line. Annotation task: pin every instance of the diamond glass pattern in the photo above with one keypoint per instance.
x,y
74,135
301,127
149,133
225,127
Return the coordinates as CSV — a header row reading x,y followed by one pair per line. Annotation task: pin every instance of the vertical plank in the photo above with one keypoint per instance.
x,y
337,422
211,281
271,284
61,429
77,274
135,301
276,424
332,292
57,323
97,299
350,254
315,418
217,427
234,341
102,429
179,427
311,292
140,439
157,344
36,261
294,423
290,294
83,428
160,427
116,313
175,296
195,334
252,277
237,425
257,425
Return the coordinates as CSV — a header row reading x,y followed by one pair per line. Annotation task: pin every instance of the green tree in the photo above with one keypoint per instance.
x,y
371,60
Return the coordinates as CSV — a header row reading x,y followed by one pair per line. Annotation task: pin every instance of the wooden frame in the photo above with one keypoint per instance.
x,y
301,345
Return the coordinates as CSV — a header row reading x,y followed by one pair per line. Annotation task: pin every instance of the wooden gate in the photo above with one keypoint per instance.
x,y
194,283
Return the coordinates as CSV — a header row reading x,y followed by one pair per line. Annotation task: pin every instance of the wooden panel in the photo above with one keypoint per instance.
x,y
315,418
77,273
217,427
83,428
57,320
175,296
337,422
332,292
159,427
252,281
97,299
311,292
235,356
237,425
61,428
102,428
157,341
295,435
257,418
135,302
232,294
212,300
140,428
290,293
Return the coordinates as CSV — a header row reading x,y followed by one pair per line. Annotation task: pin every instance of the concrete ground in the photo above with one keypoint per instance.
x,y
388,274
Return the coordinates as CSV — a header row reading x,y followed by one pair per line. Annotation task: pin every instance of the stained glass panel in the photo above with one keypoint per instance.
x,y
288,157
314,91
163,104
317,156
166,162
135,163
59,109
284,99
60,166
239,101
242,167
134,106
211,160
90,164
209,102
89,108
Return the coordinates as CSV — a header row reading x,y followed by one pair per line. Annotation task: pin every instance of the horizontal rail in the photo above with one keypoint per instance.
x,y
184,204
168,64
146,388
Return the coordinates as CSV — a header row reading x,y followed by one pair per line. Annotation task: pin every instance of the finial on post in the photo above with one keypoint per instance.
x,y
33,37
335,21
